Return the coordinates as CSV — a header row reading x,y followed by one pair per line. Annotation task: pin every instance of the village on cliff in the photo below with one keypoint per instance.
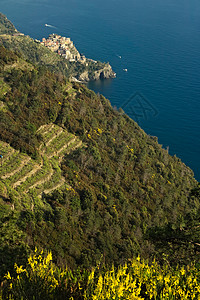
x,y
65,48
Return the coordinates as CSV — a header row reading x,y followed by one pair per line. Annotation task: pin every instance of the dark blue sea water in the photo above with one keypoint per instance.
x,y
157,41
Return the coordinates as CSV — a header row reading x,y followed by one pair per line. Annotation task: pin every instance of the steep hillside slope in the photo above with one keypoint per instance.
x,y
25,175
33,51
6,27
81,178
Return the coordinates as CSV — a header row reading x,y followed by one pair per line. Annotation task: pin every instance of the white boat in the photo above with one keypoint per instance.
x,y
125,70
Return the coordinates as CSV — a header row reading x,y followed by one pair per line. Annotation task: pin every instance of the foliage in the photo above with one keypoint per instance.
x,y
32,100
137,279
7,57
5,25
41,279
123,195
180,241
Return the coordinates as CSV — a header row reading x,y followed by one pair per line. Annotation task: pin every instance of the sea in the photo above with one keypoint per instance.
x,y
154,48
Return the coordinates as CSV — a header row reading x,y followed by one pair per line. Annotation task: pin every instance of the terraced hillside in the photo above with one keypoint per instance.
x,y
26,175
119,195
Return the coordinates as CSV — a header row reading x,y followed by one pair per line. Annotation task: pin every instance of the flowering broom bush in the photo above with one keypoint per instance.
x,y
137,280
41,279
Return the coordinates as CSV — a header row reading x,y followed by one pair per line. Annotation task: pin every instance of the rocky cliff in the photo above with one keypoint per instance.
x,y
103,73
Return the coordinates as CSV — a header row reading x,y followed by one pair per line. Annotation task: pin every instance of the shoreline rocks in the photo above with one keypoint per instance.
x,y
103,73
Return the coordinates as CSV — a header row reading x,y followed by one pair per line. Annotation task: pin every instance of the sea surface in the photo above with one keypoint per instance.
x,y
153,46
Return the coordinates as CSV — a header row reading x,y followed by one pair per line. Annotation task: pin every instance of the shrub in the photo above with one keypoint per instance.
x,y
135,280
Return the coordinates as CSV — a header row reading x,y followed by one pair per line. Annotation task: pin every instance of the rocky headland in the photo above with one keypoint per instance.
x,y
59,53
94,70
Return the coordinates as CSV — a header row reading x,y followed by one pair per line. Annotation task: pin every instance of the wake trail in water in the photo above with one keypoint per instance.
x,y
51,26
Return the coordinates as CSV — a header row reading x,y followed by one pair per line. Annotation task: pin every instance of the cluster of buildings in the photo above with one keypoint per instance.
x,y
64,47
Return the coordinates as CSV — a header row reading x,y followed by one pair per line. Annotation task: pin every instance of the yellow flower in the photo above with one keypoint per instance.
x,y
138,258
48,258
182,271
166,279
160,277
100,130
20,269
91,276
7,276
100,284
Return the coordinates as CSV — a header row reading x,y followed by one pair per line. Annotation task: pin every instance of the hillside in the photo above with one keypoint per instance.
x,y
6,27
82,179
36,53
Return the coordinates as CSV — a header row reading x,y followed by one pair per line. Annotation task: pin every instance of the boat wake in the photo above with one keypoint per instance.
x,y
47,25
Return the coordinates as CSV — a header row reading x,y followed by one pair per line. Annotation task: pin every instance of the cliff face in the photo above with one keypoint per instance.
x,y
103,73
84,77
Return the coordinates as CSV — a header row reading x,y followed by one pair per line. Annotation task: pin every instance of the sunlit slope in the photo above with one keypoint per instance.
x,y
20,172
81,178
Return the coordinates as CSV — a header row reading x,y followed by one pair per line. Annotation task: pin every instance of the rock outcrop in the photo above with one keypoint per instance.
x,y
103,73
84,77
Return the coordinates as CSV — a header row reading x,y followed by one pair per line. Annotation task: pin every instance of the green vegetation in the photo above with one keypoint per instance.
x,y
84,181
32,51
137,280
6,26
